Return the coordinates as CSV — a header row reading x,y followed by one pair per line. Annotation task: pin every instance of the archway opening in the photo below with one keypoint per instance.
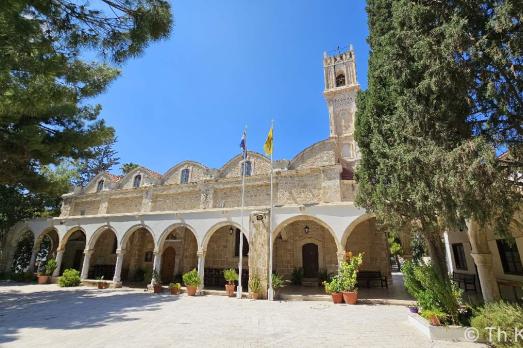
x,y
304,254
74,252
222,253
23,252
103,259
47,247
138,260
179,254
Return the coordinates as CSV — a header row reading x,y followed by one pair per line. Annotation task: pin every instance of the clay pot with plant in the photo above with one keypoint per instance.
x,y
333,287
156,283
255,287
191,280
230,276
277,283
175,288
50,266
101,283
348,275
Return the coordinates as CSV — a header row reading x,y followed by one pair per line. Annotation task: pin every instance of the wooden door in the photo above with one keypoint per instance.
x,y
167,266
310,260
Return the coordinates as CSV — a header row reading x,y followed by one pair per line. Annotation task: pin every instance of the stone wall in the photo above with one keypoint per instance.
x,y
373,243
104,250
220,250
176,201
88,207
139,243
318,155
299,189
288,247
348,190
124,204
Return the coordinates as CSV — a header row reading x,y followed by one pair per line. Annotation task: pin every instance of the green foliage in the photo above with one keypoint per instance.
x,y
503,315
348,273
334,285
127,167
297,276
277,281
394,245
70,277
23,252
23,277
431,291
50,266
255,284
230,275
323,275
175,286
103,158
191,278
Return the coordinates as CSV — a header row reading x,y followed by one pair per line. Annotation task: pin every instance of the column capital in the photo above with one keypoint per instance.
x,y
120,251
88,252
484,259
201,252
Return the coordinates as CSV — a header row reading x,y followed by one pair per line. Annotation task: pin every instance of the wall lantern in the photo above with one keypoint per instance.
x,y
306,229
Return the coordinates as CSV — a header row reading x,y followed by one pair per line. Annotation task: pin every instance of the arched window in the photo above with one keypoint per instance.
x,y
100,186
340,80
247,166
137,181
184,176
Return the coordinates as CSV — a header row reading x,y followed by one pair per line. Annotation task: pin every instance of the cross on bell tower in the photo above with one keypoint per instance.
x,y
341,88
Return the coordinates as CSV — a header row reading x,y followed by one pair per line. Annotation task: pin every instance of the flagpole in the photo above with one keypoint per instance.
x,y
240,252
270,293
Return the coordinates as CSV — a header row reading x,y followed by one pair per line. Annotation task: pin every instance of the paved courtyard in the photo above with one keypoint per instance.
x,y
49,316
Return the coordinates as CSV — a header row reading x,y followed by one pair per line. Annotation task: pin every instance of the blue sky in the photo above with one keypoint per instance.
x,y
228,64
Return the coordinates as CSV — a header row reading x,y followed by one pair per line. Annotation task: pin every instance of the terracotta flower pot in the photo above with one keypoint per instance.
x,y
230,288
103,285
434,321
350,297
175,291
254,295
43,279
157,288
337,297
191,290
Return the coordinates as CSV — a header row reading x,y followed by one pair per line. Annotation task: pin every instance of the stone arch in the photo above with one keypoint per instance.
x,y
68,234
185,250
103,244
131,230
215,228
99,231
73,249
303,217
46,246
352,227
168,230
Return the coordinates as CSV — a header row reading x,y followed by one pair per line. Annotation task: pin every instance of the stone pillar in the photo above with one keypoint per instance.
x,y
450,265
157,261
201,268
259,248
59,257
31,267
330,184
85,266
117,280
341,255
104,203
487,279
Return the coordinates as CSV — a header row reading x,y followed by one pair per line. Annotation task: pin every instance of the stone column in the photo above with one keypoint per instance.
x,y
450,265
341,255
85,266
59,257
157,263
201,268
259,248
31,267
487,279
117,281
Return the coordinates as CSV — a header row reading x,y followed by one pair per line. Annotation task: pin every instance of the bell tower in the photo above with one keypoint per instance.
x,y
341,88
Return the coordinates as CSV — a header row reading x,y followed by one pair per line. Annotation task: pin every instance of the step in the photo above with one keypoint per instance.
x,y
311,282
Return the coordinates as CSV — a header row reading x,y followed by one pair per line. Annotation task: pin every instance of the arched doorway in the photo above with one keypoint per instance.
x,y
167,265
304,252
222,252
23,252
178,246
47,247
138,260
74,251
103,259
310,260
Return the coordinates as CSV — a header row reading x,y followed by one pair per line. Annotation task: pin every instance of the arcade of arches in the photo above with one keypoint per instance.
x,y
303,242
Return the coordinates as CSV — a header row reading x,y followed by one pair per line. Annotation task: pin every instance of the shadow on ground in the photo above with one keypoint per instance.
x,y
70,309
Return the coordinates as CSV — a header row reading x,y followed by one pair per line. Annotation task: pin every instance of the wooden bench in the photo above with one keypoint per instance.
x,y
368,276
465,281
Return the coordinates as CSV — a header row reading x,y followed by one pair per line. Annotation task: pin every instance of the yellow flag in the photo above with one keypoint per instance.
x,y
267,147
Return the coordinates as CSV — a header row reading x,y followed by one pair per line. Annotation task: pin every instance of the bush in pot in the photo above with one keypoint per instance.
x,y
333,287
230,276
277,283
47,272
255,286
349,277
175,288
70,277
191,280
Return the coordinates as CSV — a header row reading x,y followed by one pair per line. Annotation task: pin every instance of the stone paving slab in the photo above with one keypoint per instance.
x,y
49,316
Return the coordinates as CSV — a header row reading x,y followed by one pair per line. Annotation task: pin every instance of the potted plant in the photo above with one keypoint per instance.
x,y
191,280
277,283
255,286
413,309
230,276
157,284
333,287
348,278
435,317
101,283
50,266
175,288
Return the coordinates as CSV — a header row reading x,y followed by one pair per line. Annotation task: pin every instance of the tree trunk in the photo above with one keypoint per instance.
x,y
437,253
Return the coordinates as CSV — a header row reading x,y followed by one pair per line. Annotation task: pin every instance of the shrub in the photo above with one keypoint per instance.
x,y
277,281
334,285
192,278
349,272
230,275
255,284
22,276
297,276
71,277
503,315
175,286
50,266
431,292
